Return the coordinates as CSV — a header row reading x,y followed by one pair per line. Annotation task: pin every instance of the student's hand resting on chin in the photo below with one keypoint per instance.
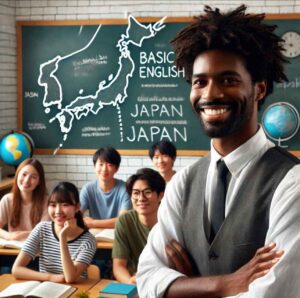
x,y
69,226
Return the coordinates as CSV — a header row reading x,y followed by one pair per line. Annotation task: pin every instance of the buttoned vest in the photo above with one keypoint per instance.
x,y
246,224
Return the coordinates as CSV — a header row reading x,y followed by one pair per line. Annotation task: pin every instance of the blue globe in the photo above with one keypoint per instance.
x,y
14,148
281,121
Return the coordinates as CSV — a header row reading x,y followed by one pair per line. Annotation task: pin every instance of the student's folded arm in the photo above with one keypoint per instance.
x,y
16,235
20,270
120,270
4,234
100,223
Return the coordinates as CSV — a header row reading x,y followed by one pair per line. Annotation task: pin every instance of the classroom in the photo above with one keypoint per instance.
x,y
78,168
66,137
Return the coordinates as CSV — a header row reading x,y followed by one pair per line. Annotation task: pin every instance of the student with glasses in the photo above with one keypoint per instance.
x,y
146,189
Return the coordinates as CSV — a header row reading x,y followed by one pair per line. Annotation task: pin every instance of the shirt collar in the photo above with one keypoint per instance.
x,y
237,159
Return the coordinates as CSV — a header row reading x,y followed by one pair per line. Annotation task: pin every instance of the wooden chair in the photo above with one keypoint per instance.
x,y
93,271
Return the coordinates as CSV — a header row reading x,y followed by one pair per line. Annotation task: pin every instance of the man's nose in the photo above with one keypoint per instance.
x,y
212,91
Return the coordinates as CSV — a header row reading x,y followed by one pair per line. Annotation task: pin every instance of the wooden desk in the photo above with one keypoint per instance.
x,y
9,251
14,251
82,285
104,245
5,185
94,291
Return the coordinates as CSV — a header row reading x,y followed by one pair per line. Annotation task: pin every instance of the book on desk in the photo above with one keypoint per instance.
x,y
11,243
106,235
118,290
37,289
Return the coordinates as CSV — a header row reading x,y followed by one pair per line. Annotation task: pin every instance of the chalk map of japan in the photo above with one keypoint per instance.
x,y
110,92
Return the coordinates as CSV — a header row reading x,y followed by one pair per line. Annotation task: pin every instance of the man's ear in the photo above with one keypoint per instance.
x,y
260,90
160,195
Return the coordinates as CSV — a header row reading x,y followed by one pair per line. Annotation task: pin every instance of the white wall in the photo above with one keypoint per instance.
x,y
79,169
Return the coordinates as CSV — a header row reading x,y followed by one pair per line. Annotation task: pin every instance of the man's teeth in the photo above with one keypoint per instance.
x,y
214,111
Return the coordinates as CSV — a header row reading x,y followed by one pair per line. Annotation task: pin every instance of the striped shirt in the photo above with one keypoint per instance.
x,y
43,241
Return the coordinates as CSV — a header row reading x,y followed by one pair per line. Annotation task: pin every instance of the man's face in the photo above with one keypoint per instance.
x,y
162,162
223,95
145,201
105,171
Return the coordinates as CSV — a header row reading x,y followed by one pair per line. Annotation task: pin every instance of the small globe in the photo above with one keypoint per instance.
x,y
281,121
15,147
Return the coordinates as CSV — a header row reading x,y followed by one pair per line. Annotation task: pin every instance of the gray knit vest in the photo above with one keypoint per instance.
x,y
244,229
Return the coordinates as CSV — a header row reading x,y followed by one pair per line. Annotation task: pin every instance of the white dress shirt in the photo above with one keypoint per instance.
x,y
154,275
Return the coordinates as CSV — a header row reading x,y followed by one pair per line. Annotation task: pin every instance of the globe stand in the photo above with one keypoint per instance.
x,y
281,122
280,145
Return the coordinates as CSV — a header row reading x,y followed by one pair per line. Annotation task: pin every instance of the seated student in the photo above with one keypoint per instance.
x,y
65,246
106,197
26,204
146,189
163,155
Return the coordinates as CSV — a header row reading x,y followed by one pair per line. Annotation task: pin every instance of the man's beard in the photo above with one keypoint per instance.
x,y
240,113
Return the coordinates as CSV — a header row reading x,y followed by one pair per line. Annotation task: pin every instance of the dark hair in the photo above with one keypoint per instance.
x,y
67,192
164,147
38,194
236,32
155,181
108,154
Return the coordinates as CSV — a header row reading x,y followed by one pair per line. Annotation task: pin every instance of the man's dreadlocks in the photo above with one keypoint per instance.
x,y
236,32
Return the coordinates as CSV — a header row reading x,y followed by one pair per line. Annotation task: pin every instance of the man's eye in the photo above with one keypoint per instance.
x,y
230,81
199,82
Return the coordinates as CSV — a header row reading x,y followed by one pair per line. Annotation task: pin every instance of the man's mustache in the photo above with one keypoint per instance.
x,y
201,104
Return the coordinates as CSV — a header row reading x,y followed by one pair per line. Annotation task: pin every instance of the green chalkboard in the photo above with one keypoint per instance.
x,y
86,84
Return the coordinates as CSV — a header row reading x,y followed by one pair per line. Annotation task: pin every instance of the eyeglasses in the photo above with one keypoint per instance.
x,y
136,193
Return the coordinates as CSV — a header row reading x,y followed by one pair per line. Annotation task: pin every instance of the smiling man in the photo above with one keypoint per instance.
x,y
146,189
105,198
232,61
163,155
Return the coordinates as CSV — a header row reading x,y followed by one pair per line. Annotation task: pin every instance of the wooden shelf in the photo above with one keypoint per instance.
x,y
6,184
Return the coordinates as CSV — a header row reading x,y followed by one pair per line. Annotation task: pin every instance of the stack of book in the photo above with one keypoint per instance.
x,y
119,290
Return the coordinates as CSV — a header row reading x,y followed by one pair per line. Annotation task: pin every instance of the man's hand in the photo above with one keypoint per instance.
x,y
179,258
264,259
